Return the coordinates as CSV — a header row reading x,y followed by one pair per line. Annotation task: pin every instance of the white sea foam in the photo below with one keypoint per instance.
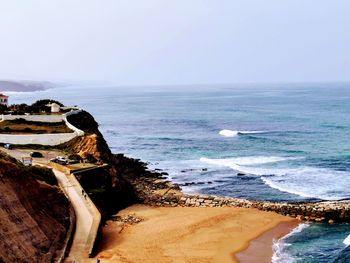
x,y
236,163
232,133
286,189
347,241
311,182
280,254
228,133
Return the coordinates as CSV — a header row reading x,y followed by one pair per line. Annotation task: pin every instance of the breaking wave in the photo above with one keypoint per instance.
x,y
239,162
293,180
347,241
232,133
280,254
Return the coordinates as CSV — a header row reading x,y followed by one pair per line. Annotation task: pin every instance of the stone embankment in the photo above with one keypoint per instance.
x,y
330,212
162,193
152,188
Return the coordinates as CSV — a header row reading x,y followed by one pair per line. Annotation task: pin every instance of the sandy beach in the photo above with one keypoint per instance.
x,y
192,234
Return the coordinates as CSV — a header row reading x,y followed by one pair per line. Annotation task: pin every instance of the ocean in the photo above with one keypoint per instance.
x,y
281,142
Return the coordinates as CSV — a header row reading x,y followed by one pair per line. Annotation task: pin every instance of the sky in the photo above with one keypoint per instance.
x,y
172,42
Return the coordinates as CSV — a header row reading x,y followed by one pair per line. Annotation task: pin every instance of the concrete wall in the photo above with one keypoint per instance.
x,y
95,215
38,118
70,126
42,139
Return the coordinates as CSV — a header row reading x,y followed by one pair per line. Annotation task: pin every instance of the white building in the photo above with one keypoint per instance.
x,y
54,107
4,99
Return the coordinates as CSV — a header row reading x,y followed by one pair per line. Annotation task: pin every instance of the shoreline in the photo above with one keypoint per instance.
x,y
191,234
260,249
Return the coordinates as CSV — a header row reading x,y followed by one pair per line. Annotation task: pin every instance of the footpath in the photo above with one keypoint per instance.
x,y
87,218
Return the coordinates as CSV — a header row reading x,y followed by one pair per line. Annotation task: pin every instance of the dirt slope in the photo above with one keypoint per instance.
x,y
34,216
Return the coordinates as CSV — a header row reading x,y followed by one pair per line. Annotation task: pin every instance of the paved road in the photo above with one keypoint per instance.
x,y
84,220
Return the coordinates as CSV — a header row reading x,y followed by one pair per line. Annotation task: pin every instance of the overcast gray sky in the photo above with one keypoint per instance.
x,y
175,42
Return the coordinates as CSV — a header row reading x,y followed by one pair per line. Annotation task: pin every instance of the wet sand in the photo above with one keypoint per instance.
x,y
260,249
192,234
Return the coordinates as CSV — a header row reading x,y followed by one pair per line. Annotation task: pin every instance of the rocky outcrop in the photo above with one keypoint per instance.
x,y
108,188
34,215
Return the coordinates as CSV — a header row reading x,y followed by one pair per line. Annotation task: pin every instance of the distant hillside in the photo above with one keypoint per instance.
x,y
34,214
7,85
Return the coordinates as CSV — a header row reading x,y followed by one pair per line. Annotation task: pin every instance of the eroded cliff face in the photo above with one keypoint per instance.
x,y
108,188
127,180
34,216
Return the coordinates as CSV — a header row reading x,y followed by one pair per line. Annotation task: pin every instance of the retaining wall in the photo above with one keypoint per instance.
x,y
42,139
69,237
38,118
96,219
70,126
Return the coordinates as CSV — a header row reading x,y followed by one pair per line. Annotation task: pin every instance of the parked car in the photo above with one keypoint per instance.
x,y
60,160
36,154
8,146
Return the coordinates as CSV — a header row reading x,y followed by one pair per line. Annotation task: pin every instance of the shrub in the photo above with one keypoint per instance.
x,y
90,158
27,129
75,157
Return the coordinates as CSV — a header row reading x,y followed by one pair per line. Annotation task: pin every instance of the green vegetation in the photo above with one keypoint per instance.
x,y
36,108
3,109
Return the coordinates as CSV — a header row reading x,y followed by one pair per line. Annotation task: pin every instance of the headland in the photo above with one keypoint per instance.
x,y
24,86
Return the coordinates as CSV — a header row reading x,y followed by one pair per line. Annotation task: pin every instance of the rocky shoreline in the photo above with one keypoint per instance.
x,y
153,188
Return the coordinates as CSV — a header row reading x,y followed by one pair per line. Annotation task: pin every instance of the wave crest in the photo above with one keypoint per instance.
x,y
237,163
232,133
228,133
347,241
279,247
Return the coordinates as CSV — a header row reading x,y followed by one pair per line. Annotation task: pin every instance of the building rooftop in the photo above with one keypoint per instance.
x,y
3,96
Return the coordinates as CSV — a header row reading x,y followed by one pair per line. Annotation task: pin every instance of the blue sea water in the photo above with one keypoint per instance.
x,y
290,141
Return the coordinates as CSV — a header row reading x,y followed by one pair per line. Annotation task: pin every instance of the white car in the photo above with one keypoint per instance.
x,y
60,160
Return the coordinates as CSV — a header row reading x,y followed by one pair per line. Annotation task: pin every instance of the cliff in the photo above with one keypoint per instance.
x,y
34,215
109,188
